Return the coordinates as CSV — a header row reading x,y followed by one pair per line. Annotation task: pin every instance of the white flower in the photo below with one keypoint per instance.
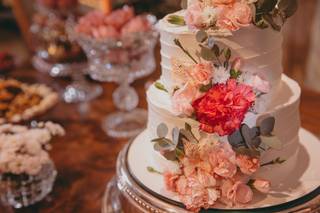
x,y
221,75
210,15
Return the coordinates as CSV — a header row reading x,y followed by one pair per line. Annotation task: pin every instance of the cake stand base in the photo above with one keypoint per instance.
x,y
126,193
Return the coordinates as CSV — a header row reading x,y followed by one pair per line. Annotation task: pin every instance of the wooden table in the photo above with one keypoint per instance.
x,y
86,156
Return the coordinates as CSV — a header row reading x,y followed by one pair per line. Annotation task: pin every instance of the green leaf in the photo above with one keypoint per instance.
x,y
152,170
205,88
160,86
201,36
216,50
162,130
270,20
187,127
179,153
271,141
176,20
227,54
234,74
207,54
170,155
287,7
265,6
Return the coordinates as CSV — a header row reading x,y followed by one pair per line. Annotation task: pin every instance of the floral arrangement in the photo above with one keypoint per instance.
x,y
214,90
217,153
213,170
115,25
58,4
231,15
24,150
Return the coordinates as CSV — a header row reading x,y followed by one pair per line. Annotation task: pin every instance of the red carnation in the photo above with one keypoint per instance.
x,y
222,109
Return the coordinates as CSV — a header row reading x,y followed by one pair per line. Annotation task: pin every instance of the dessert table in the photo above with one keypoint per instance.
x,y
85,158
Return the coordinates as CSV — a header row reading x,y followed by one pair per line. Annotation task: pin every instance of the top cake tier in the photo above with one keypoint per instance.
x,y
259,49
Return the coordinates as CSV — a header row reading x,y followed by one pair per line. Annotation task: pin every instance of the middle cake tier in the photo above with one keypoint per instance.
x,y
285,110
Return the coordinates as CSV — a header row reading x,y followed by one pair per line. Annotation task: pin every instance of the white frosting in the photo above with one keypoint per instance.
x,y
261,51
285,109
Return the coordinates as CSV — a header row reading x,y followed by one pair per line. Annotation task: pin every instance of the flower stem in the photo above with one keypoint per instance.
x,y
276,161
178,43
153,170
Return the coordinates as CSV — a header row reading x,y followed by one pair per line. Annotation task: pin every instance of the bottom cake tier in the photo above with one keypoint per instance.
x,y
146,190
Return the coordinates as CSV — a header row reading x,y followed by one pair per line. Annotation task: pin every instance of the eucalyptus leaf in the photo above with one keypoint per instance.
x,y
188,136
287,7
207,54
265,6
211,42
272,142
187,127
171,155
201,36
245,132
268,18
162,130
216,50
179,153
236,140
267,125
175,135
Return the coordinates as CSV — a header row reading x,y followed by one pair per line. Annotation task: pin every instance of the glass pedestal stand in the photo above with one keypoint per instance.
x,y
124,194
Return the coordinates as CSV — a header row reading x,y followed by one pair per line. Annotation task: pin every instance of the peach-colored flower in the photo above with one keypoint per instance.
x,y
248,165
201,73
120,17
193,15
182,99
206,179
137,24
232,18
170,180
103,32
222,2
222,160
262,185
240,193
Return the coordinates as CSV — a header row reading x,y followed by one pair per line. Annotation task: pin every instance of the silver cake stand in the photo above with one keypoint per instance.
x,y
126,194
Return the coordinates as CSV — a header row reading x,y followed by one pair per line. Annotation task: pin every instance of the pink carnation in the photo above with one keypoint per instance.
x,y
222,109
248,165
138,24
262,186
182,99
240,193
234,17
260,84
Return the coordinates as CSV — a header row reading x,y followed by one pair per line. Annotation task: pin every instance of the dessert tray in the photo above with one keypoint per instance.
x,y
20,101
134,189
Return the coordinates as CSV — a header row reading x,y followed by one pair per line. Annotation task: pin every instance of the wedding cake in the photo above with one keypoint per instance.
x,y
223,119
